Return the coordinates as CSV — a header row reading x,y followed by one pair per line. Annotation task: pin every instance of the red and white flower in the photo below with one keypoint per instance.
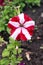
x,y
22,27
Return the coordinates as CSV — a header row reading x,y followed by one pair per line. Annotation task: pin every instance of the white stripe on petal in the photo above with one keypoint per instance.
x,y
21,17
15,24
16,33
26,33
29,23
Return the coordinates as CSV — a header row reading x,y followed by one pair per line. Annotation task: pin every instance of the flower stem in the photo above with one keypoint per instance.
x,y
17,8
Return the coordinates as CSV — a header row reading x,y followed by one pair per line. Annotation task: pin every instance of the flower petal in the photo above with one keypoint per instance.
x,y
15,18
27,18
16,33
30,30
29,23
15,24
26,33
21,17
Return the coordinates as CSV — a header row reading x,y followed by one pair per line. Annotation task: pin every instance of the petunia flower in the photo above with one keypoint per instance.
x,y
22,27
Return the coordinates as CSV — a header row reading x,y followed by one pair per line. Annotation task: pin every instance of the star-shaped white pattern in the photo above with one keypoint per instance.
x,y
22,27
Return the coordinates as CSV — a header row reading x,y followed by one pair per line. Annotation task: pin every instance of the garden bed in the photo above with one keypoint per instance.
x,y
36,44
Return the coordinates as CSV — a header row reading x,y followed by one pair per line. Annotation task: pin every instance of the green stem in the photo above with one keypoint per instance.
x,y
17,8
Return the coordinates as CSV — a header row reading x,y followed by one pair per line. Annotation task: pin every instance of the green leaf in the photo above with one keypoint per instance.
x,y
10,46
17,62
14,42
17,43
1,39
5,53
14,51
13,60
19,50
4,61
18,59
2,28
11,40
13,57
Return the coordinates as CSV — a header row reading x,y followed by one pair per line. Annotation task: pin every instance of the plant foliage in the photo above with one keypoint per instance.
x,y
33,2
10,9
11,55
2,42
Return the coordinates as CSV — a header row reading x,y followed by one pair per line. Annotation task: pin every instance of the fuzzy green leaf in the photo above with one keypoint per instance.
x,y
14,51
4,61
5,53
19,50
10,46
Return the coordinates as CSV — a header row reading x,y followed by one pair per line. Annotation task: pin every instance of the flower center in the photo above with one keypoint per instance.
x,y
21,25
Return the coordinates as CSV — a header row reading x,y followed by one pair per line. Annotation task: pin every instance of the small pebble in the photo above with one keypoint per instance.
x,y
42,14
34,11
38,38
28,55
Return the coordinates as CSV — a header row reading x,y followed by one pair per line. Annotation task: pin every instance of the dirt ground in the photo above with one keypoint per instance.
x,y
36,44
